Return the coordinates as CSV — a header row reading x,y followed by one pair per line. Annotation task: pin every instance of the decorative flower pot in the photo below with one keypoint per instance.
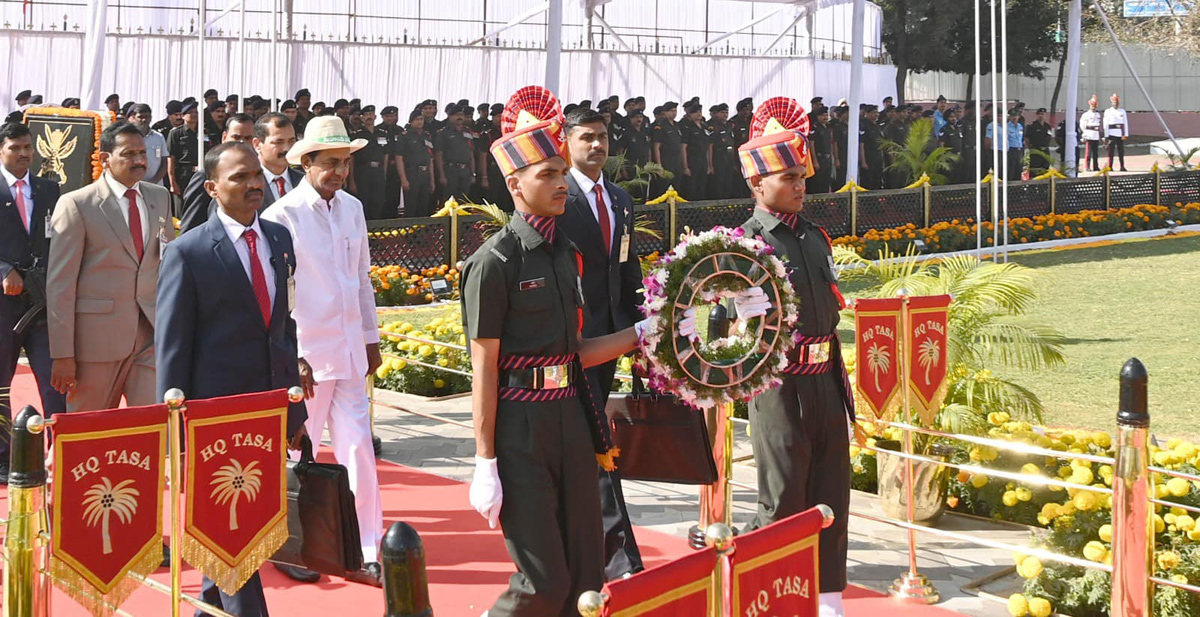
x,y
929,483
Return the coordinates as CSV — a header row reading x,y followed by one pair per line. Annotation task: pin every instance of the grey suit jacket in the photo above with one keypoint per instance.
x,y
96,287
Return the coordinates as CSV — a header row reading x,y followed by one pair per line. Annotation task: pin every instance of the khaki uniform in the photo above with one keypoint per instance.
x,y
525,292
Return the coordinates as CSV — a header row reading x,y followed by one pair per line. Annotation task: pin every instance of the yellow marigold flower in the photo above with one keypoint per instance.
x,y
1084,501
1039,607
1095,551
1178,487
439,383
1168,560
1017,605
1030,567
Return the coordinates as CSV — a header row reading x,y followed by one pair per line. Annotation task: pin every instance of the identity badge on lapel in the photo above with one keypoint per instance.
x,y
291,283
624,248
163,236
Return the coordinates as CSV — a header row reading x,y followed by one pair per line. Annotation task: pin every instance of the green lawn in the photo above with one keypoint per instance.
x,y
1135,299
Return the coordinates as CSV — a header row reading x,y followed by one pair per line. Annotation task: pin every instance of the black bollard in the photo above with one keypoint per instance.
x,y
27,462
718,327
718,322
405,586
1133,407
1132,513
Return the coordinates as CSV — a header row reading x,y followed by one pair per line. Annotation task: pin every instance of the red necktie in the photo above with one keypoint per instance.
x,y
19,194
279,185
602,216
135,223
257,277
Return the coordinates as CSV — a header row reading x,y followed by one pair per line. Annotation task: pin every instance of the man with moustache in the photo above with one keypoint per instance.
x,y
598,218
338,330
156,144
106,240
415,167
368,170
26,202
226,327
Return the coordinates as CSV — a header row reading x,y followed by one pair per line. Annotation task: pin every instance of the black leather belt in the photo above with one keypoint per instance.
x,y
541,378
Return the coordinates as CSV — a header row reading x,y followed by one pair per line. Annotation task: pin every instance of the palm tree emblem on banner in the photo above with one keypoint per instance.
x,y
928,355
103,499
879,360
232,482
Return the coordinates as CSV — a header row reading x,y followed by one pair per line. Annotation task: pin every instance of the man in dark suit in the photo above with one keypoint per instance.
x,y
599,219
224,324
197,204
25,205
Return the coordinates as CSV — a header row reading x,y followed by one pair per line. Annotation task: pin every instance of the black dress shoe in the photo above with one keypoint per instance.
x,y
377,443
370,574
297,573
4,474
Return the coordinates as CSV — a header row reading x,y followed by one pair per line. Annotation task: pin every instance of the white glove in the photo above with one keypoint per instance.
x,y
486,494
751,303
687,325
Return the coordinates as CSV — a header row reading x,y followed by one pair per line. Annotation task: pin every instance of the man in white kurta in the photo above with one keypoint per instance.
x,y
336,323
1116,130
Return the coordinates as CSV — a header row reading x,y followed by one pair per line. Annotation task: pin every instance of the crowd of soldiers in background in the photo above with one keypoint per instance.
x,y
428,158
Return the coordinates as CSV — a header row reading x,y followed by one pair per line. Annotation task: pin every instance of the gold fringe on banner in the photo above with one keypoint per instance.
x,y
231,578
928,412
98,603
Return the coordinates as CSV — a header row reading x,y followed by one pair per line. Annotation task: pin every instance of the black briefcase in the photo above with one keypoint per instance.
x,y
661,439
322,524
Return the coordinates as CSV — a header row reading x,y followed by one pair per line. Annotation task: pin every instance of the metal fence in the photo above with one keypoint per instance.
x,y
426,242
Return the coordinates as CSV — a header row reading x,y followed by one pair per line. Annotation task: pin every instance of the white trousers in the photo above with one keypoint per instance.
x,y
341,404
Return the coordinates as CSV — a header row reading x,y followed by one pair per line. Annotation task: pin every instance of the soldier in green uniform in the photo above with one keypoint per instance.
x,y
368,179
724,153
454,157
1039,134
183,147
697,159
497,192
870,157
951,137
391,129
841,140
800,431
415,168
740,125
667,148
538,437
820,148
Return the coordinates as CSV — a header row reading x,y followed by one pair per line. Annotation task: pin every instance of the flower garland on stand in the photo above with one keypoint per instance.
x,y
703,268
100,121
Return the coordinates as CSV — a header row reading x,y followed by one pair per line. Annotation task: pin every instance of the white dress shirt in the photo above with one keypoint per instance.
x,y
118,191
26,193
287,182
1114,116
588,187
335,303
237,235
1090,124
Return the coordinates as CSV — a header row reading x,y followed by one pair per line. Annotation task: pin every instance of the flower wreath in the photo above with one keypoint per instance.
x,y
100,121
705,267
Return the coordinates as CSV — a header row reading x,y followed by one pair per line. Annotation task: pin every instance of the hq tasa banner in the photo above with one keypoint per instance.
x,y
108,491
775,571
928,329
236,506
877,354
681,587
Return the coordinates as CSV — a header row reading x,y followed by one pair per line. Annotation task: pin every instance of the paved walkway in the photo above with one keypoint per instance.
x,y
878,552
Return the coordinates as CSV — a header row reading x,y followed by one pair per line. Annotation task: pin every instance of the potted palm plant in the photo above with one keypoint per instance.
x,y
988,328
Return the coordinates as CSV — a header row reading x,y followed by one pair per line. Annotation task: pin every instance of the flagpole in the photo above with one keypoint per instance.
x,y
175,406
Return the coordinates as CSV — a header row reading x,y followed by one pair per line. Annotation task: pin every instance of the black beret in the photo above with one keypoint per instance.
x,y
320,104
1041,110
637,114
35,99
233,98
669,105
691,107
24,94
694,99
820,110
569,108
416,113
356,101
1015,111
187,107
816,99
190,99
427,102
126,107
928,113
482,108
368,109
67,102
585,103
340,103
745,103
497,108
210,92
603,106
15,117
718,108
941,98
390,109
614,98
174,107
215,105
640,99
112,97
303,92
355,109
658,110
288,104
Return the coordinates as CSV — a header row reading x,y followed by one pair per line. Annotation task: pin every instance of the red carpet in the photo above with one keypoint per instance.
x,y
466,562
